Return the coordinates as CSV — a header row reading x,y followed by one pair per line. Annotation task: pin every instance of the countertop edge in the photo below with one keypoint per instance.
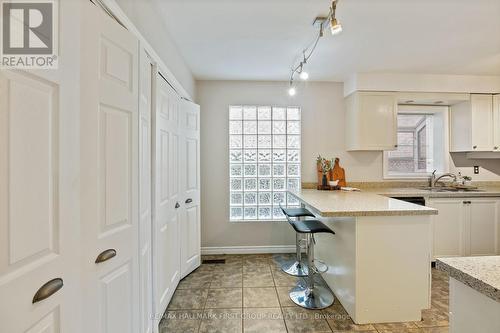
x,y
467,279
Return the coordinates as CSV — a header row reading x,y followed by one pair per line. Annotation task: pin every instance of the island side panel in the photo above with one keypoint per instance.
x,y
393,273
471,310
339,253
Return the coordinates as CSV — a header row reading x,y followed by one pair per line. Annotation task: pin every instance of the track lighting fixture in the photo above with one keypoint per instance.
x,y
335,28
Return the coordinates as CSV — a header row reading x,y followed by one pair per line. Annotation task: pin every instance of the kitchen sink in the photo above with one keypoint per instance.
x,y
448,189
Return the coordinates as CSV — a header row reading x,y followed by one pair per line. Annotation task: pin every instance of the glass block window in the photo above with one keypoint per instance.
x,y
264,161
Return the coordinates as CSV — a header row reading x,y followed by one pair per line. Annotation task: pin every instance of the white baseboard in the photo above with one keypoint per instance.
x,y
248,249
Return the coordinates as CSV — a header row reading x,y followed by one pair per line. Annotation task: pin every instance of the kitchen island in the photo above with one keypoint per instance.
x,y
474,293
379,259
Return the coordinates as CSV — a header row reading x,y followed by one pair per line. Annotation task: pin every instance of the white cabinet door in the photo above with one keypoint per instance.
x,y
190,186
482,122
371,121
448,227
496,122
483,226
109,174
145,223
167,200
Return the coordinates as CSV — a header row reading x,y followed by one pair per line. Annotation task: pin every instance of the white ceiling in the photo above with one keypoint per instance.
x,y
261,39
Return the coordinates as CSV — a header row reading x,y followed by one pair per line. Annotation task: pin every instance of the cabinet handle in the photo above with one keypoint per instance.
x,y
177,205
48,289
188,201
467,202
105,255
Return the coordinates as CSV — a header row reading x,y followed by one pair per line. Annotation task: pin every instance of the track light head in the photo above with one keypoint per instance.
x,y
335,26
304,75
292,91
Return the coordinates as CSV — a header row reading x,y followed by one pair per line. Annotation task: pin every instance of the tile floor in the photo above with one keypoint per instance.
x,y
249,293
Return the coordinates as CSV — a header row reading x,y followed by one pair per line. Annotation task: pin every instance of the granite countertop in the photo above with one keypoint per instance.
x,y
342,203
480,273
485,191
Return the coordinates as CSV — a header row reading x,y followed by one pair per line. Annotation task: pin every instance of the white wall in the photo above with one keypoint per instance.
x,y
322,133
148,21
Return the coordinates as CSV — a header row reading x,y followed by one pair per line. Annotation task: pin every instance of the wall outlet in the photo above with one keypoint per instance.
x,y
476,170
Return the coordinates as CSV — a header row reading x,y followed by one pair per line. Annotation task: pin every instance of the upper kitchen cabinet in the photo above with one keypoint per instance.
x,y
371,121
472,126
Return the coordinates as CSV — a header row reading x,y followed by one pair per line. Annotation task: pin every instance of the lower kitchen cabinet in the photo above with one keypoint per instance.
x,y
465,226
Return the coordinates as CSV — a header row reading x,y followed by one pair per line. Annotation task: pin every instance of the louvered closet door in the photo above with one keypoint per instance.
x,y
190,177
109,174
167,201
39,195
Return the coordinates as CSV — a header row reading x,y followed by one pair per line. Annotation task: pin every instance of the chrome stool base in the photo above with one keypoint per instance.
x,y
319,297
296,268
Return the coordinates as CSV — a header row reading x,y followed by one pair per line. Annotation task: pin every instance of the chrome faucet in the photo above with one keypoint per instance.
x,y
435,180
432,178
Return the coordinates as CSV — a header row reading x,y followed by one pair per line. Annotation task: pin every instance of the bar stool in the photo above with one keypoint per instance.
x,y
311,295
297,268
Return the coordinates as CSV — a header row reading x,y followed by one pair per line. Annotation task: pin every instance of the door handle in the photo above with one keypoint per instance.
x,y
105,255
177,205
188,201
48,289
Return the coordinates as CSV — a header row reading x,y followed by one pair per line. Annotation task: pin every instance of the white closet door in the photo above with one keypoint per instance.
x,y
145,251
39,194
190,177
166,246
109,174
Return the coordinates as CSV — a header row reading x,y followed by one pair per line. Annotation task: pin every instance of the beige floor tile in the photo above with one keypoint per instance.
x,y
433,318
188,299
196,280
182,321
231,277
339,320
260,298
394,327
261,278
260,320
221,321
299,320
284,296
224,298
282,279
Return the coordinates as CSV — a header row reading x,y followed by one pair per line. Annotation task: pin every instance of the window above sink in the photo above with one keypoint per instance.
x,y
422,133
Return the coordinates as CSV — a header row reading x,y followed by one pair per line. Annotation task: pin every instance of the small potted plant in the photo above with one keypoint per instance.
x,y
324,167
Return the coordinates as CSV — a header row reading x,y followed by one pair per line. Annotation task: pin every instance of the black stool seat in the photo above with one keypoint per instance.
x,y
297,212
311,227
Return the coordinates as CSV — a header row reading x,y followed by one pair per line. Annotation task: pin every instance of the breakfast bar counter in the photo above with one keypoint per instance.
x,y
379,259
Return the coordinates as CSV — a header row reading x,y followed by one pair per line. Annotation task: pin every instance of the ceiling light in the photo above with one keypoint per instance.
x,y
335,26
304,75
292,91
